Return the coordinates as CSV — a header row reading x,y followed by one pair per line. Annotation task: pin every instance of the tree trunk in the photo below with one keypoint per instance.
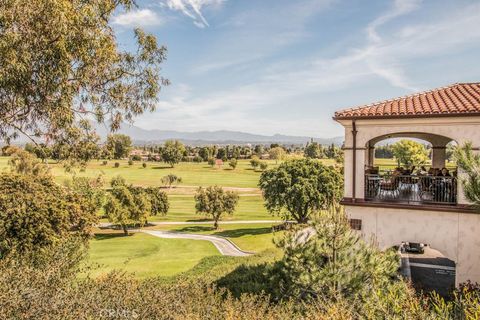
x,y
125,230
215,224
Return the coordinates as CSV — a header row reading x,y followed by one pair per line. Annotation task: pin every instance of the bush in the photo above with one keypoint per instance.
x,y
211,162
233,163
36,213
144,164
117,165
136,157
104,162
197,159
130,162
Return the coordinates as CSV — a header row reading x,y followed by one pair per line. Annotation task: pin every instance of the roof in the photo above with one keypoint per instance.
x,y
459,99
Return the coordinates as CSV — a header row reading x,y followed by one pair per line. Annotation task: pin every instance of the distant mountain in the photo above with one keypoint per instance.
x,y
142,136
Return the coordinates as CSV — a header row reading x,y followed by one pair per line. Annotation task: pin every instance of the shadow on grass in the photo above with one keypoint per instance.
x,y
106,236
200,220
194,229
236,233
247,279
162,167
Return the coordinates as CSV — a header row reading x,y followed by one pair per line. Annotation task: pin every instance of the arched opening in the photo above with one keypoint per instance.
x,y
411,167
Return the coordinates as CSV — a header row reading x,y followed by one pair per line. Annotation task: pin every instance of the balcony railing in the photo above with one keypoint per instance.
x,y
411,189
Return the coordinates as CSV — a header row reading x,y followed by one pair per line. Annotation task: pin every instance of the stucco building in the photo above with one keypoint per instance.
x,y
410,208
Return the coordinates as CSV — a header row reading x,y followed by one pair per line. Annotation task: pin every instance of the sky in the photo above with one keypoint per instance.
x,y
275,66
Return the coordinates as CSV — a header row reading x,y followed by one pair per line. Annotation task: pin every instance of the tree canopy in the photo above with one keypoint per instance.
x,y
36,213
409,152
172,152
118,145
60,63
298,188
215,201
469,162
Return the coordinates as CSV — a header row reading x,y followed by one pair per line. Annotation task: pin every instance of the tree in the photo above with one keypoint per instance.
x,y
119,145
263,165
277,153
469,162
215,201
298,188
158,201
25,163
255,162
313,150
90,189
54,72
409,152
205,153
211,162
329,261
171,179
233,163
36,213
126,205
172,152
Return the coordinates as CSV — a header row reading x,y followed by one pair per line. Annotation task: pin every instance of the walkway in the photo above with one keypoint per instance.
x,y
163,223
225,246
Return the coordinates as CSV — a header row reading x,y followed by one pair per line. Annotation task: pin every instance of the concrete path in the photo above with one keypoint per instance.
x,y
225,246
162,223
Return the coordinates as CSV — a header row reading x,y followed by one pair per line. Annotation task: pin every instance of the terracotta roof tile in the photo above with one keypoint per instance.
x,y
456,99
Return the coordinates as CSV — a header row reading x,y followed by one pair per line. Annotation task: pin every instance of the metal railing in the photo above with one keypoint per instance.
x,y
411,189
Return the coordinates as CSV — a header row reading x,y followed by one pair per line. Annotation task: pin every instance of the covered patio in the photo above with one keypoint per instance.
x,y
417,184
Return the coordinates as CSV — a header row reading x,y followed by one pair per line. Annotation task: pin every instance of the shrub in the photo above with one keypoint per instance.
x,y
211,162
104,162
197,159
170,180
233,163
136,157
144,164
117,165
255,162
130,162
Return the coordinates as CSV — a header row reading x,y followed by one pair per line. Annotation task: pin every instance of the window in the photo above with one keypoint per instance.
x,y
355,224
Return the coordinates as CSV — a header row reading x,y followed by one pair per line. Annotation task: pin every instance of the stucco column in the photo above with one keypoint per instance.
x,y
438,156
371,155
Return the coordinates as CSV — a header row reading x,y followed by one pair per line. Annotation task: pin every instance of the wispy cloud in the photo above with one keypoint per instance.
x,y
293,96
193,9
141,17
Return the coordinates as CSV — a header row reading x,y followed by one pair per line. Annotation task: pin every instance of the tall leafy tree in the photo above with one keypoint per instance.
x,y
409,152
277,153
298,188
172,152
314,150
215,201
60,62
119,145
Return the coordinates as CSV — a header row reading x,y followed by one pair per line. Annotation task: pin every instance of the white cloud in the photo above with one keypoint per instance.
x,y
282,84
193,9
142,17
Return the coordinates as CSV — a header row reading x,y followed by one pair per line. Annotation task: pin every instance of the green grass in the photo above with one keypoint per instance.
x,y
390,164
146,255
249,237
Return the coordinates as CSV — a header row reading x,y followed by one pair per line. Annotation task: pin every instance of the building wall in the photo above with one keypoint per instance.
x,y
456,235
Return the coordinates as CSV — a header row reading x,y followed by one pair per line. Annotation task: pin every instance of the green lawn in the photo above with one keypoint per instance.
x,y
146,255
390,164
248,237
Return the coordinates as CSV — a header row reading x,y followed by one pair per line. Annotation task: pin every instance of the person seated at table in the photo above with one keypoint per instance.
x,y
445,173
431,171
422,171
436,172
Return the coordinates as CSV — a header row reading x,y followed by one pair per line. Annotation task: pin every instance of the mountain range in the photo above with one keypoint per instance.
x,y
221,137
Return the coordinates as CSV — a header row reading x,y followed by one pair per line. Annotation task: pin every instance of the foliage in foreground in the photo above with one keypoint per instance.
x,y
298,188
36,213
48,287
469,162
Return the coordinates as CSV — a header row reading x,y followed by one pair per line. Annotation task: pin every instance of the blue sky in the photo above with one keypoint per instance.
x,y
269,67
